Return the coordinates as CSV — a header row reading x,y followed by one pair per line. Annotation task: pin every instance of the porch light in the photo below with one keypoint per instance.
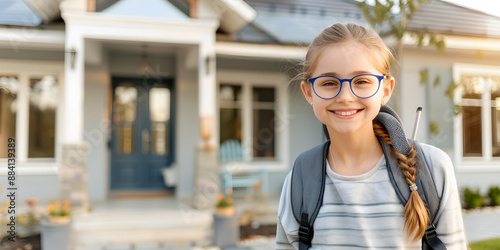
x,y
72,53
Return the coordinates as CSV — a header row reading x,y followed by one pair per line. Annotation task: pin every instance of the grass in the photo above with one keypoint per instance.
x,y
493,244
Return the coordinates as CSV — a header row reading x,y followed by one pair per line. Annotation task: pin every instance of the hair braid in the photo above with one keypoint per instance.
x,y
416,215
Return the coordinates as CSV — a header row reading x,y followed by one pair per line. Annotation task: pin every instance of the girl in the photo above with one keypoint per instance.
x,y
347,80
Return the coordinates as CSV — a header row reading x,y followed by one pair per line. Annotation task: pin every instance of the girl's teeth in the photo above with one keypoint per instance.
x,y
347,113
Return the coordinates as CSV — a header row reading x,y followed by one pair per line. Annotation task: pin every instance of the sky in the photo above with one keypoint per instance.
x,y
488,6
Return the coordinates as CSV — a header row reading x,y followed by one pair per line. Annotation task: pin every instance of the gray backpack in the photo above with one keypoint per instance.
x,y
309,173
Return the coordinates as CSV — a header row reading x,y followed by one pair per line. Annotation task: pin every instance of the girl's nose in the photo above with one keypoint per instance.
x,y
345,94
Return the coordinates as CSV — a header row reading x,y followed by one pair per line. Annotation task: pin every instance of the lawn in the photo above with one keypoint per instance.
x,y
493,244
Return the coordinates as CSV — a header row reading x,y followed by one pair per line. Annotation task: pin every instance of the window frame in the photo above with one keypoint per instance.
x,y
486,162
25,70
247,80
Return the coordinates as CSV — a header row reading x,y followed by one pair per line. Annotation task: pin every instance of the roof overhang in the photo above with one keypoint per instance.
x,y
32,38
260,51
235,15
460,42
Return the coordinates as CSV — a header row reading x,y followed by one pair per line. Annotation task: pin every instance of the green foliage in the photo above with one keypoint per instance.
x,y
382,13
493,244
440,45
434,128
450,91
423,76
420,39
472,198
494,195
457,109
437,81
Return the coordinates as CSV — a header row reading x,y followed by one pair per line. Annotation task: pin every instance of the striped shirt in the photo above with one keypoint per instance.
x,y
364,212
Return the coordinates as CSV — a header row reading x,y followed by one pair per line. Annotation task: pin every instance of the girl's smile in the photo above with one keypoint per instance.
x,y
346,113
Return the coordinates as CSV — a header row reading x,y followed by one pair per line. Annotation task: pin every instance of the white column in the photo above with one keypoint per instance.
x,y
74,86
206,81
22,117
486,117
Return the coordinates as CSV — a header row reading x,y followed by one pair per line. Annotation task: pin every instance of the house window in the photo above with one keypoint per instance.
x,y
263,122
230,113
42,117
254,106
480,101
37,96
9,86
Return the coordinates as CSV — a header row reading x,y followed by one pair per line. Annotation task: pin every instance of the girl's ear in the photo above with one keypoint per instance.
x,y
307,91
388,88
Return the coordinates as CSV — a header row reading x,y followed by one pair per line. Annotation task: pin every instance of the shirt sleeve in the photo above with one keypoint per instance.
x,y
284,238
449,221
281,238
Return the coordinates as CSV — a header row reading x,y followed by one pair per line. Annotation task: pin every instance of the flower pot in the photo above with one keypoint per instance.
x,y
55,235
59,219
225,211
226,230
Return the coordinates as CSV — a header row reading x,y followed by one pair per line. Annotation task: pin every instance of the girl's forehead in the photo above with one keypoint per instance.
x,y
344,59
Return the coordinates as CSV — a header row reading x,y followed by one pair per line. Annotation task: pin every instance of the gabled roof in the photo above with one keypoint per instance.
x,y
161,9
29,13
447,18
14,12
297,21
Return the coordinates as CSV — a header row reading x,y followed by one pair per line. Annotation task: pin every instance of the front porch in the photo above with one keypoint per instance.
x,y
163,223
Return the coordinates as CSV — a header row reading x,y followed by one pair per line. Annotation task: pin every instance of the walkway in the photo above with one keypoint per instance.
x,y
157,224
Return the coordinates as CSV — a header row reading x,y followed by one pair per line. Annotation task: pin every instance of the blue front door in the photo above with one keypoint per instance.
x,y
142,132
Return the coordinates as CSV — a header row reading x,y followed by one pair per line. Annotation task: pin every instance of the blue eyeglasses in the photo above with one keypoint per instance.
x,y
363,86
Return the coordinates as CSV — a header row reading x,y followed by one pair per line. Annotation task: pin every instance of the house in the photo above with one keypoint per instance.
x,y
102,96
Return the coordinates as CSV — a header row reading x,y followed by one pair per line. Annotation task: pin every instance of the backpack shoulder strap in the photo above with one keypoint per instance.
x,y
307,189
426,190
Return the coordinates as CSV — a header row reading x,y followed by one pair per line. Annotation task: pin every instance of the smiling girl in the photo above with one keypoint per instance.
x,y
347,81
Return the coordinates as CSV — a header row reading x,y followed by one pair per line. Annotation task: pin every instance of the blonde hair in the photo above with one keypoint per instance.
x,y
338,34
416,215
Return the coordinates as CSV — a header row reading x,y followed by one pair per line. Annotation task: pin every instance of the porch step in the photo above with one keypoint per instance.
x,y
110,229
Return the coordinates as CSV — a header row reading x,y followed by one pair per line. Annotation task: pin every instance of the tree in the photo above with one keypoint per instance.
x,y
389,17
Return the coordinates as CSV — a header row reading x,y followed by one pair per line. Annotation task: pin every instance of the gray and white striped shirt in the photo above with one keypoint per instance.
x,y
364,212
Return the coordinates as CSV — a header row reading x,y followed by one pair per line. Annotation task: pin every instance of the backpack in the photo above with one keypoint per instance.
x,y
309,173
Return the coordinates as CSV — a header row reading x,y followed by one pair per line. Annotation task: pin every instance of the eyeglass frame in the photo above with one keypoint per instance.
x,y
380,78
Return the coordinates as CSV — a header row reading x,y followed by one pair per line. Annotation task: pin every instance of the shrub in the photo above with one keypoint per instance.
x,y
472,198
494,195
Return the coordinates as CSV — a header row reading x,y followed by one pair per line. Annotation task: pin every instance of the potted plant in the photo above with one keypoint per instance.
x,y
226,227
225,206
55,231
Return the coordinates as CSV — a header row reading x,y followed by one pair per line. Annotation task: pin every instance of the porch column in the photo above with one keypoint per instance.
x,y
73,167
206,90
207,171
74,86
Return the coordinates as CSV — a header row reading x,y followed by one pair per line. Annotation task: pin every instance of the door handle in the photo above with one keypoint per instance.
x,y
145,141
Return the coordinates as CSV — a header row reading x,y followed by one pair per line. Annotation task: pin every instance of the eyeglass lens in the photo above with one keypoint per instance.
x,y
362,86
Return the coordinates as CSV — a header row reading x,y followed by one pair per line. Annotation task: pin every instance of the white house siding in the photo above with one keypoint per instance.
x,y
187,130
96,131
437,106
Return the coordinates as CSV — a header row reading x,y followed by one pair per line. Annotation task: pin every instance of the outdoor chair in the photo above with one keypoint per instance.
x,y
233,172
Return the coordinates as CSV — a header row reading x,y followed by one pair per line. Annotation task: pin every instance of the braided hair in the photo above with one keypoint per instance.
x,y
416,214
